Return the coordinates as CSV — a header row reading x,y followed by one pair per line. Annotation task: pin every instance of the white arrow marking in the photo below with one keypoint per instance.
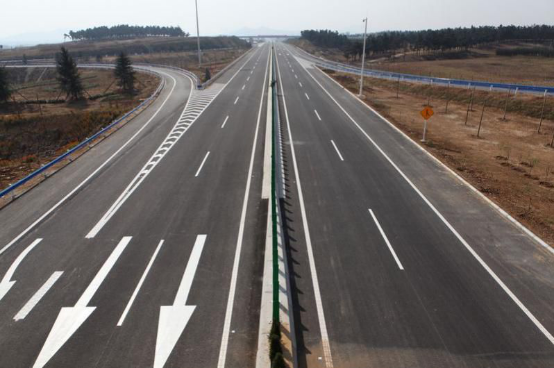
x,y
7,282
173,319
71,318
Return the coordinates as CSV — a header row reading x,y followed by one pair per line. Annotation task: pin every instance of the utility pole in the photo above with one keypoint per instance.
x,y
198,35
363,60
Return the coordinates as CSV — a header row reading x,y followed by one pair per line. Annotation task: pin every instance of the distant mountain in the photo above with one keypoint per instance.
x,y
262,31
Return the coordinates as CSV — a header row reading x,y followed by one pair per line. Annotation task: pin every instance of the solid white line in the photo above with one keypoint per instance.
x,y
85,299
317,115
37,297
308,97
78,187
202,164
222,125
311,260
300,84
139,285
336,149
236,100
514,298
236,262
386,240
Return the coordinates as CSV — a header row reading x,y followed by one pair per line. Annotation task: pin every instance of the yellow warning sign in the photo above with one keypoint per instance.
x,y
427,112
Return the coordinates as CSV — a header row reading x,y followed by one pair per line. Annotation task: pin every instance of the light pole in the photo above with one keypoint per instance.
x,y
198,35
363,60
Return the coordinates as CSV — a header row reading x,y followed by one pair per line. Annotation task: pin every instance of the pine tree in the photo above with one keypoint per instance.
x,y
124,73
68,76
5,91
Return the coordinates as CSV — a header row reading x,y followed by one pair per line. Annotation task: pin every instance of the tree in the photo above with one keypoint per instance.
x,y
124,73
24,59
207,75
68,76
5,91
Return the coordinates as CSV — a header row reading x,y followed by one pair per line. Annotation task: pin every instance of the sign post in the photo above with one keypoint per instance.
x,y
427,112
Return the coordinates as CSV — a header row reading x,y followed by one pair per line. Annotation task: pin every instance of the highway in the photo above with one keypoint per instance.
x,y
141,253
394,262
148,251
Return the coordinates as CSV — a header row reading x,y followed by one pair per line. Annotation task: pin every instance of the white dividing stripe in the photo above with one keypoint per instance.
x,y
37,297
300,84
308,97
386,240
225,122
236,100
202,164
236,261
78,187
295,76
247,79
336,149
316,114
139,285
85,299
313,271
244,85
514,298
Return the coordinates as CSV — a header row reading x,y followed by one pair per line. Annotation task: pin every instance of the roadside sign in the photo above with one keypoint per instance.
x,y
427,112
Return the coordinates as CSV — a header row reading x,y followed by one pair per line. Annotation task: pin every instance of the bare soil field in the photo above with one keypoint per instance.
x,y
509,161
475,64
33,132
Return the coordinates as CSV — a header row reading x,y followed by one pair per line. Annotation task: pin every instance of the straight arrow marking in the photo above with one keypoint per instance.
x,y
174,319
71,318
7,282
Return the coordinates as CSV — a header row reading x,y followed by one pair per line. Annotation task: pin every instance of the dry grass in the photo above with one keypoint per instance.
x,y
510,162
32,134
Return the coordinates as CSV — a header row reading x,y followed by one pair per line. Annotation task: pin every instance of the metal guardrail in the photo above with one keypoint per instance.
x,y
37,172
340,67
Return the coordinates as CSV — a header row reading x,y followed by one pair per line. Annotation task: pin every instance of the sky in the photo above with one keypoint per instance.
x,y
39,20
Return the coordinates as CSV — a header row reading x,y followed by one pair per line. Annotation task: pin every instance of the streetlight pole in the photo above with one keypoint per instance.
x,y
363,60
198,35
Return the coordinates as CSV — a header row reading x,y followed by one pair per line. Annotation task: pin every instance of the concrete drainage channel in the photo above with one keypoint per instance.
x,y
276,338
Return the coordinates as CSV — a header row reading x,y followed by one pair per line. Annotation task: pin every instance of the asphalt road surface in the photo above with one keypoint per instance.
x,y
148,250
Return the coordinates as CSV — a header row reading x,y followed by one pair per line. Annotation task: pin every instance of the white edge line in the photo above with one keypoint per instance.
x,y
386,240
533,319
202,164
70,194
225,122
37,297
311,260
139,285
336,149
236,261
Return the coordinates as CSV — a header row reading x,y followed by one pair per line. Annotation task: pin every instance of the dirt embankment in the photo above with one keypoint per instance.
x,y
510,161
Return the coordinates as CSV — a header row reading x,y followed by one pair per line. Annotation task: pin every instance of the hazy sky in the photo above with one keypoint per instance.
x,y
224,16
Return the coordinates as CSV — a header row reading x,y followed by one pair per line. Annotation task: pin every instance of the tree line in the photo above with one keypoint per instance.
x,y
447,39
126,31
69,79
